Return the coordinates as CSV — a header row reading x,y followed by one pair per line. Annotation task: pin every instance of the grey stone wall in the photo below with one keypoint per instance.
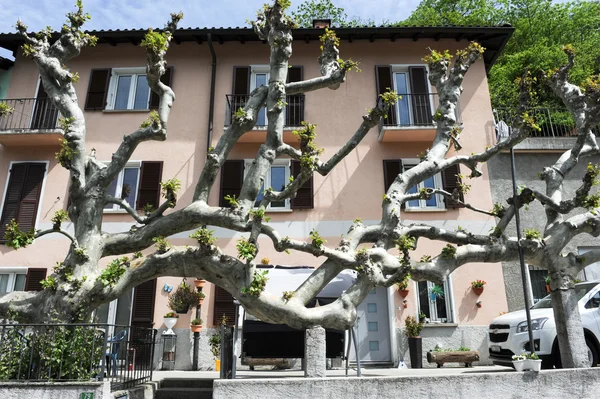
x,y
53,390
568,383
448,337
184,350
527,166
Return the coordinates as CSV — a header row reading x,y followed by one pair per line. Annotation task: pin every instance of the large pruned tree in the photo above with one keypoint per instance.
x,y
80,284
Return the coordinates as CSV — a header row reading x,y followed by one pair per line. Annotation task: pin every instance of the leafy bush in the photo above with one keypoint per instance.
x,y
413,327
183,298
215,345
258,283
196,322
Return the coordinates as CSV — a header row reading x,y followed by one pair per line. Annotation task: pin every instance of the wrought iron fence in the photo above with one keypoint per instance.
x,y
553,122
413,110
294,110
121,355
29,114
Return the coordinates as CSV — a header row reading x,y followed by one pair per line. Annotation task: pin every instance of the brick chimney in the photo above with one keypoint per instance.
x,y
321,23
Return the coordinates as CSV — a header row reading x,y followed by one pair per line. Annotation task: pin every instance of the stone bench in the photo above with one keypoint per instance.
x,y
466,357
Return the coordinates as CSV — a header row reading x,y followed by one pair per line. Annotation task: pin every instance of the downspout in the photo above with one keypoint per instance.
x,y
211,109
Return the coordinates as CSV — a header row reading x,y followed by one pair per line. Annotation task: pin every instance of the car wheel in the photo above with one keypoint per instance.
x,y
592,353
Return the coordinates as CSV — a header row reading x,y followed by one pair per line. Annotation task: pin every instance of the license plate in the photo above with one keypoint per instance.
x,y
495,348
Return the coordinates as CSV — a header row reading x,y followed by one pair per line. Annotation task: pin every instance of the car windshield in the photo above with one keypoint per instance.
x,y
580,291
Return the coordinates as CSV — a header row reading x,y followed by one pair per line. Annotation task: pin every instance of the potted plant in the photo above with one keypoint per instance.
x,y
170,320
183,298
415,346
201,297
518,362
215,347
436,292
477,286
403,286
196,325
422,317
547,284
533,362
199,283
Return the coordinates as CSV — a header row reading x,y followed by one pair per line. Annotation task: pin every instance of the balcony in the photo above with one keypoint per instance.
x,y
558,131
410,119
32,121
294,115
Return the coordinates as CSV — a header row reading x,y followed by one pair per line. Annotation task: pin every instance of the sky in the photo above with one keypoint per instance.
x,y
120,14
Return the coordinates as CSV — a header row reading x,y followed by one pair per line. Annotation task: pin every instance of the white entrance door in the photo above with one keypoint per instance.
x,y
373,335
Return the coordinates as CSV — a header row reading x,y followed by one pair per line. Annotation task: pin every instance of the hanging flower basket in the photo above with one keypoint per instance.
x,y
477,286
478,290
403,293
199,283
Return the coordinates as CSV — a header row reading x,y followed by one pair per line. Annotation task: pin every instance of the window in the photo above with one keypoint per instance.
x,y
435,301
277,177
125,186
260,77
128,89
12,279
434,182
537,278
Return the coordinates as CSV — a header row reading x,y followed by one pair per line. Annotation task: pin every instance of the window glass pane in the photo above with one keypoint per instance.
x,y
123,309
261,80
20,282
538,284
403,103
430,183
373,346
424,298
141,93
260,196
3,283
372,326
130,179
278,183
371,308
122,95
111,191
414,203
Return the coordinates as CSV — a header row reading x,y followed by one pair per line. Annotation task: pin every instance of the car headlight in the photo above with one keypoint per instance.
x,y
536,324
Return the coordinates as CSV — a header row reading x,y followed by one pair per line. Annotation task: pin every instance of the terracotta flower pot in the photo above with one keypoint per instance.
x,y
547,288
196,328
403,293
478,290
199,283
200,301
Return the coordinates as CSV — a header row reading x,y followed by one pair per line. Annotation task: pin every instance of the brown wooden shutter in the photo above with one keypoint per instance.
x,y
142,312
22,196
384,81
232,178
223,306
241,80
97,89
450,181
391,169
149,189
166,79
294,110
305,196
33,282
421,106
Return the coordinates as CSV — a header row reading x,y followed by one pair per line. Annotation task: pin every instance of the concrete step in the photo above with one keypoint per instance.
x,y
187,383
183,393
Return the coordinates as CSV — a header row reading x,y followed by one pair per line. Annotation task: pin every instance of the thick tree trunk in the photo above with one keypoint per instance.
x,y
571,340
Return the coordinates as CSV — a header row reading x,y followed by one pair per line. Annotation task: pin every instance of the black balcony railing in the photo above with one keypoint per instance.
x,y
29,114
294,110
413,110
121,355
553,122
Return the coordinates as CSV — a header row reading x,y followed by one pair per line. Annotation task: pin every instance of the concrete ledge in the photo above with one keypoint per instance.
x,y
53,390
570,383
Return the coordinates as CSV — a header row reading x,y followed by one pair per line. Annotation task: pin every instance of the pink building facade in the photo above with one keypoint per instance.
x,y
113,92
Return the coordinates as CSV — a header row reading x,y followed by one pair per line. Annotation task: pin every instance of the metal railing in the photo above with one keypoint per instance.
x,y
294,110
29,114
553,122
413,110
121,355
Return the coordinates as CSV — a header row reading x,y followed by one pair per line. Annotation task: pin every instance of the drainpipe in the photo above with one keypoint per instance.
x,y
211,109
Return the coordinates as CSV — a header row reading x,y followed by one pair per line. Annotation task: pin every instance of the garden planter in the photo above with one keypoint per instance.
x,y
199,283
547,288
170,323
196,328
533,365
403,293
478,290
200,301
217,365
518,364
415,347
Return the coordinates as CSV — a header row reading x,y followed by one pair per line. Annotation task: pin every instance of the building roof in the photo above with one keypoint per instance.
x,y
5,63
493,38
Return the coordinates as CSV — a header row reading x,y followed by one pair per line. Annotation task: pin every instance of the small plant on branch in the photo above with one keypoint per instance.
x,y
287,295
246,249
15,238
59,216
162,245
258,284
113,272
170,188
449,251
232,201
403,285
204,236
532,234
5,109
316,240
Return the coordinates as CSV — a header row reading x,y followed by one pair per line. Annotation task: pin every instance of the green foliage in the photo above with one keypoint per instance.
x,y
5,109
246,249
532,234
196,322
319,9
152,120
258,284
499,210
81,253
170,187
215,344
390,97
113,272
425,258
406,243
59,216
49,283
329,37
449,251
437,291
287,295
66,154
155,42
239,114
435,57
184,298
412,327
533,356
403,285
15,238
59,353
386,198
259,214
137,255
357,221
348,65
463,349
204,236
316,240
232,201
148,209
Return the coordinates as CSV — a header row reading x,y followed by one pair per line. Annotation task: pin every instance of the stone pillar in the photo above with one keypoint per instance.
x,y
315,362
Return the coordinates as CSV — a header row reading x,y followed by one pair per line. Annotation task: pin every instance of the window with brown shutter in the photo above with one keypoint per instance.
x,y
22,196
241,80
232,178
34,279
305,196
166,79
421,105
294,110
451,181
149,188
224,306
384,82
142,312
97,89
391,169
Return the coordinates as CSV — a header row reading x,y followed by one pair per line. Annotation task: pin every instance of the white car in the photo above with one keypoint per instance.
x,y
509,335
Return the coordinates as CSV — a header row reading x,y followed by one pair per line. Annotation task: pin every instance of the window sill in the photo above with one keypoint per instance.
x,y
443,325
115,211
126,111
279,210
414,210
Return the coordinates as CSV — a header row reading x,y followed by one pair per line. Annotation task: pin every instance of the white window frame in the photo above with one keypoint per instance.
x,y
277,162
448,298
131,164
12,274
403,68
112,88
255,70
437,180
